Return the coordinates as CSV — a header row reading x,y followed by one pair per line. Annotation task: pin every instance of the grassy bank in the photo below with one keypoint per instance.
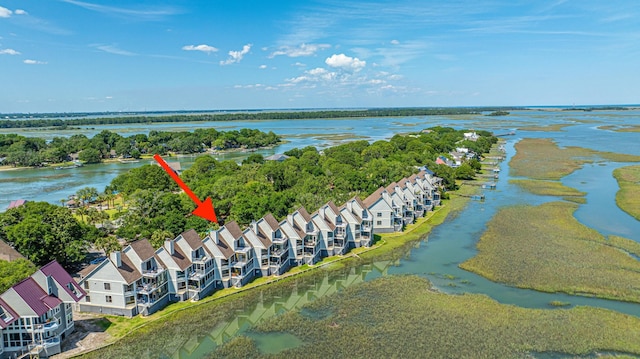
x,y
556,127
367,321
545,248
540,158
627,197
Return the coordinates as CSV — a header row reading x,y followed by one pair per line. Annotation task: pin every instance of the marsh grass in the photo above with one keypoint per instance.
x,y
627,128
541,158
545,248
368,321
628,198
556,127
547,188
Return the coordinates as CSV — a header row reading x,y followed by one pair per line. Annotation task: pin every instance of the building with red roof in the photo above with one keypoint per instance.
x,y
36,313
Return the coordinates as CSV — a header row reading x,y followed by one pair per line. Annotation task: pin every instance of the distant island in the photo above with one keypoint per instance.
x,y
106,118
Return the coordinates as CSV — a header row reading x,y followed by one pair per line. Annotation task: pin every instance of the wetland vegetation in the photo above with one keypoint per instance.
x,y
543,159
404,314
550,188
545,248
628,198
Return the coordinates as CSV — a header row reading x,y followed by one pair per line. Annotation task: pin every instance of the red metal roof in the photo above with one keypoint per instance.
x,y
35,297
55,270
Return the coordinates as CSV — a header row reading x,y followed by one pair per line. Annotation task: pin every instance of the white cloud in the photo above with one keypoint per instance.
x,y
150,14
302,50
299,64
9,52
202,47
4,12
34,62
20,12
112,49
345,62
395,42
236,56
262,67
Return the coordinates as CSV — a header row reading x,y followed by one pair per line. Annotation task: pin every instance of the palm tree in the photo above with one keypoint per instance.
x,y
82,211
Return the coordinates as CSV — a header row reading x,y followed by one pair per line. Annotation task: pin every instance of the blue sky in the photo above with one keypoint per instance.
x,y
95,55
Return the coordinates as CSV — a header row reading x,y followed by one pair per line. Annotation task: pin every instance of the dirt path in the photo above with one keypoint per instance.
x,y
88,335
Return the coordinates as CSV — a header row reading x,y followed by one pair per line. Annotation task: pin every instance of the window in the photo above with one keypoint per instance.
x,y
107,286
86,285
379,214
378,223
108,299
87,299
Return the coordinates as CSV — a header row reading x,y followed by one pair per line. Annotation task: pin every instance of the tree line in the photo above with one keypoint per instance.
x,y
309,177
19,150
248,116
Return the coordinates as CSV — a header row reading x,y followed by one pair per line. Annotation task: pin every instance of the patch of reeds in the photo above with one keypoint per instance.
x,y
403,317
556,127
627,197
545,248
541,158
548,188
627,128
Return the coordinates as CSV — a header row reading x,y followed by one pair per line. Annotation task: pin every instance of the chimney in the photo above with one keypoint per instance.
x,y
116,258
254,227
290,219
168,245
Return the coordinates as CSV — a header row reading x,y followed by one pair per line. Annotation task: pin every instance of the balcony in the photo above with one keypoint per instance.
x,y
197,274
152,273
52,325
147,288
280,240
200,260
366,227
340,232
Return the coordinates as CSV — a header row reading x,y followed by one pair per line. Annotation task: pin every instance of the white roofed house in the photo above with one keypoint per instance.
x,y
200,275
129,282
360,222
36,314
383,214
304,226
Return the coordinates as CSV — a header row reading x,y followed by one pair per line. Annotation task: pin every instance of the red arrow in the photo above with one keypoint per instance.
x,y
203,209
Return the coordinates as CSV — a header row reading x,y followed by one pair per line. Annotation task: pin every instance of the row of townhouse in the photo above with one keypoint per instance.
x,y
402,202
36,314
141,280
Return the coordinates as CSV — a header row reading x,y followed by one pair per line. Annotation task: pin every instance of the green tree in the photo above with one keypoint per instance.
x,y
90,155
43,232
14,271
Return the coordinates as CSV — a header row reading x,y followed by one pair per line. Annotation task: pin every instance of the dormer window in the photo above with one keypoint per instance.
x,y
4,315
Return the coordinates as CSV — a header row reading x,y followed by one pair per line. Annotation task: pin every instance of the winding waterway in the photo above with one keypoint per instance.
x,y
436,257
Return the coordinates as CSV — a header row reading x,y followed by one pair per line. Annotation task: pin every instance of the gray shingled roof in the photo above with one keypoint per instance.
x,y
373,198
